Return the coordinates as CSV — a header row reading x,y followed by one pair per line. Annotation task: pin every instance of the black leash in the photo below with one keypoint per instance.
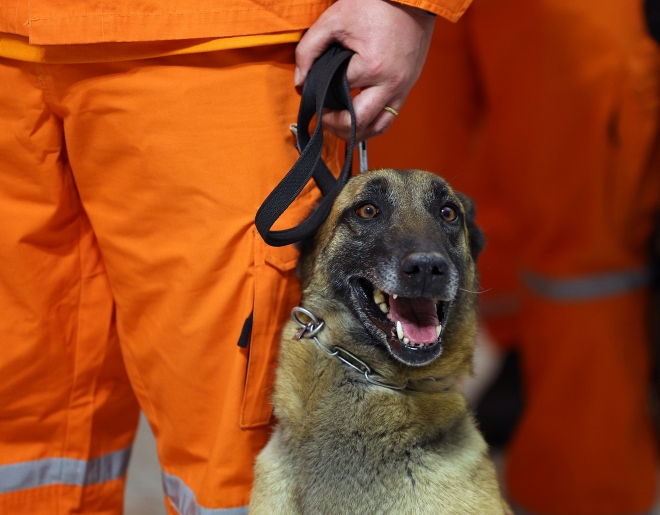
x,y
325,86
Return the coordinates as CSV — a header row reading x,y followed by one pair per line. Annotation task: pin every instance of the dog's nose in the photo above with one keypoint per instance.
x,y
424,269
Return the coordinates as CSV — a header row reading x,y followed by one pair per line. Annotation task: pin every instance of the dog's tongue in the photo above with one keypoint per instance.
x,y
418,318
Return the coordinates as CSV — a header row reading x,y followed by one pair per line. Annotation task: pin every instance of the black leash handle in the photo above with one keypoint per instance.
x,y
325,86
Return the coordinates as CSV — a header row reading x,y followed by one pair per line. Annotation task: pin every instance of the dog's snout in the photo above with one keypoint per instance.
x,y
424,272
424,264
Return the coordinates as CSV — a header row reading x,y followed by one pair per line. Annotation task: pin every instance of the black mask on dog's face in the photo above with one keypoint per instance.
x,y
399,248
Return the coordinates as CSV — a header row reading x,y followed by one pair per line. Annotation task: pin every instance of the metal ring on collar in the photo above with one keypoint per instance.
x,y
313,327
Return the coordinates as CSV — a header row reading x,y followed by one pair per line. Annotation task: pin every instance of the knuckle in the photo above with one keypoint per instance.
x,y
381,128
301,53
397,78
361,125
375,68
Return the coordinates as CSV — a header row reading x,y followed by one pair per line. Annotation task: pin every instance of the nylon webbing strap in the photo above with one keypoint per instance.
x,y
325,86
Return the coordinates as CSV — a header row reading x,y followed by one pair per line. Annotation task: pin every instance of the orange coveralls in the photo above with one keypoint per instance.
x,y
130,262
546,112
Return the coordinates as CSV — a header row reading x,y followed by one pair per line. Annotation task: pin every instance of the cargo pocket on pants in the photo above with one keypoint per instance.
x,y
276,292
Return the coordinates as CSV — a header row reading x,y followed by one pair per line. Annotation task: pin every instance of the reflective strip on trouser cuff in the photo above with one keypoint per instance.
x,y
588,287
64,471
520,511
184,499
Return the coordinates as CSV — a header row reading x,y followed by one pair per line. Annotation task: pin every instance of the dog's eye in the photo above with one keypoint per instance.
x,y
366,211
448,214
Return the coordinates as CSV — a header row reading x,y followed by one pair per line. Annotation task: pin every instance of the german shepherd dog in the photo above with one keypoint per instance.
x,y
371,418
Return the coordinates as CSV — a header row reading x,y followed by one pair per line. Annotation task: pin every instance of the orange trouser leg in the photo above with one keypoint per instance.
x,y
556,155
67,412
585,443
171,158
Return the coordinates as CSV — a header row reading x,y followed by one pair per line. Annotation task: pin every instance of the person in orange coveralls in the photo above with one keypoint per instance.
x,y
137,140
546,112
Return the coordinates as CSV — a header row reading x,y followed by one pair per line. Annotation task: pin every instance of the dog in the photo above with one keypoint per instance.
x,y
370,414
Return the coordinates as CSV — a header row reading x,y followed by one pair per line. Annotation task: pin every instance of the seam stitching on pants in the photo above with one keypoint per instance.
x,y
187,13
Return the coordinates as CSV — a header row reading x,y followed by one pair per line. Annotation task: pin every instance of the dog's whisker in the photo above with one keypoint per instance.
x,y
470,291
453,177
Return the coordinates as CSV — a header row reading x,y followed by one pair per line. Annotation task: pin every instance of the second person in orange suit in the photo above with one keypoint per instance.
x,y
546,112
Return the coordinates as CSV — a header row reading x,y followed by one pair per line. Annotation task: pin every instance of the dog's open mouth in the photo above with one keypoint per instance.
x,y
412,327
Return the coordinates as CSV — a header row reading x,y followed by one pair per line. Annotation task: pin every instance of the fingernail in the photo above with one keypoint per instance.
x,y
296,77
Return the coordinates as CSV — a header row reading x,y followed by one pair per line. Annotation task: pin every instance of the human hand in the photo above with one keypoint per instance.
x,y
390,42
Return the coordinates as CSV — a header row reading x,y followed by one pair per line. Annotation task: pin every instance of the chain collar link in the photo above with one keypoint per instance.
x,y
312,328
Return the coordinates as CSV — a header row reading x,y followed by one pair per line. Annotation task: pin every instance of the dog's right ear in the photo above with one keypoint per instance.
x,y
476,235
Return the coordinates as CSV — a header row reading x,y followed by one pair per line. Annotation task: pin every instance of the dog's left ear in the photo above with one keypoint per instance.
x,y
476,235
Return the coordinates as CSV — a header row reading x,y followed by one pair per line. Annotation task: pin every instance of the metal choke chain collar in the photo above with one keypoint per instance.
x,y
312,328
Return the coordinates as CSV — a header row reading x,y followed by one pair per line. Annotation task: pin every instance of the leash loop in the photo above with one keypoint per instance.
x,y
325,86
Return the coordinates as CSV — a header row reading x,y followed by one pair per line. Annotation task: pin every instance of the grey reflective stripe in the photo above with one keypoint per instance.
x,y
499,305
588,287
65,471
519,511
184,499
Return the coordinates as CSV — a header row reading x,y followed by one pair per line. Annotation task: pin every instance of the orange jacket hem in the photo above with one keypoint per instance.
x,y
18,48
47,22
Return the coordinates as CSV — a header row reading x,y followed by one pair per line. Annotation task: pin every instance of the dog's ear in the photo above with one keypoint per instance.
x,y
476,235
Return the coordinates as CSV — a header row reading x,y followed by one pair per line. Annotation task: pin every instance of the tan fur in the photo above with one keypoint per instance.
x,y
343,446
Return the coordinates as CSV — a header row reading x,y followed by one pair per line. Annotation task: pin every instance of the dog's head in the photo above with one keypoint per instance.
x,y
397,253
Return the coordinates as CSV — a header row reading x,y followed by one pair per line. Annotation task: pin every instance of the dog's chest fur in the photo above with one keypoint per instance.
x,y
343,448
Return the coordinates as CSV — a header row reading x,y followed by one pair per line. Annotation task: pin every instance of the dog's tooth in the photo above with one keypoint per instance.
x,y
389,317
406,340
438,330
394,295
399,330
383,307
379,298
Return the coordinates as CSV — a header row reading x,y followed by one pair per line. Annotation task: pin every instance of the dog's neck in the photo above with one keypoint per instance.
x,y
313,328
346,328
320,386
379,380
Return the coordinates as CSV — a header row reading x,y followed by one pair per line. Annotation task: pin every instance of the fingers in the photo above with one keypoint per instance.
x,y
312,45
372,120
342,129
